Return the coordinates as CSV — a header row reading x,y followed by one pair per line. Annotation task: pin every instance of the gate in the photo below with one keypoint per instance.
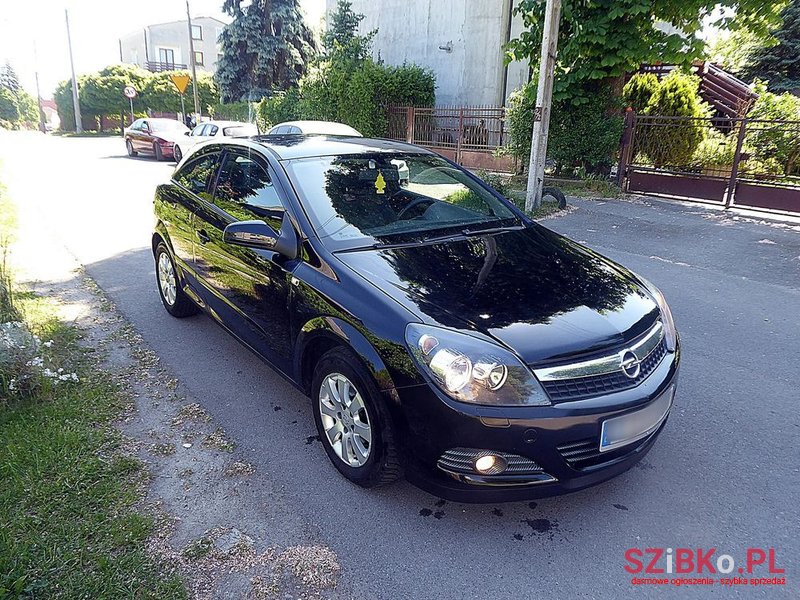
x,y
468,135
742,162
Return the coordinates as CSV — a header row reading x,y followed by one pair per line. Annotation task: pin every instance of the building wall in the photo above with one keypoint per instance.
x,y
459,40
175,36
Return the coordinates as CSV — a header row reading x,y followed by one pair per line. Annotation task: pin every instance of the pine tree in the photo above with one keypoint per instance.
x,y
780,64
266,48
9,79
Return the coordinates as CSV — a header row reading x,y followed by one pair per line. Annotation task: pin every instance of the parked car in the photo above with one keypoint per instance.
x,y
439,331
154,136
211,130
313,128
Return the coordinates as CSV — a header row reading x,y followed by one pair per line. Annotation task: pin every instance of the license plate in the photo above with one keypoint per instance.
x,y
634,426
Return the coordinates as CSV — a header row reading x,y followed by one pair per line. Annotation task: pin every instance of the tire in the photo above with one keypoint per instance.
x,y
158,153
174,299
382,464
177,154
556,194
129,148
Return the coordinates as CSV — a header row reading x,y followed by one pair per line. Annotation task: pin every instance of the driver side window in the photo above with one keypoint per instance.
x,y
245,191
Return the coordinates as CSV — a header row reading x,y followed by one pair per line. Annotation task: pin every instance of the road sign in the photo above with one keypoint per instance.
x,y
130,92
181,81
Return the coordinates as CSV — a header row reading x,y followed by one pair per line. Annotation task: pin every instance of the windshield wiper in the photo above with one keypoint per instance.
x,y
488,231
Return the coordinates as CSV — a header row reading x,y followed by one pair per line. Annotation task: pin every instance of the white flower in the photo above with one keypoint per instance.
x,y
48,343
12,385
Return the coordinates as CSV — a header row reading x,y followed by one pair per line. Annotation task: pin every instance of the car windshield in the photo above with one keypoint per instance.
x,y
353,198
166,125
240,130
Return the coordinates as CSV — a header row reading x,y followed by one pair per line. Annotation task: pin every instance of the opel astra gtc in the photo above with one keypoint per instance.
x,y
439,331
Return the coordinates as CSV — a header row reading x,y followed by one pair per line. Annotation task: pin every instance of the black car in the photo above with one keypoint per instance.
x,y
440,332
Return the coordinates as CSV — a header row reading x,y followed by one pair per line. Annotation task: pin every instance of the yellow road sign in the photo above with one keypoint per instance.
x,y
180,81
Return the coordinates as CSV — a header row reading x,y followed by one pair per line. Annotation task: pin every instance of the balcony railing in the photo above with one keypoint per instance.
x,y
157,67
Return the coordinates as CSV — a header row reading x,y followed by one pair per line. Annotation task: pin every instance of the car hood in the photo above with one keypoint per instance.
x,y
170,136
542,295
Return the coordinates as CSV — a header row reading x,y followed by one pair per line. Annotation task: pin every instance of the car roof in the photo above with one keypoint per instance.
x,y
331,127
226,123
287,147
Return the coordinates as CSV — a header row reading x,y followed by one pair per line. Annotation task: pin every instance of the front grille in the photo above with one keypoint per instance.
x,y
580,388
462,460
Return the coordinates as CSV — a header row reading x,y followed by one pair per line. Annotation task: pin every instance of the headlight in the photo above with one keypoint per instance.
x,y
472,370
670,332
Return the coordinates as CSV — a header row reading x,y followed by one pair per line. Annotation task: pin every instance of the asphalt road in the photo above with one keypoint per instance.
x,y
725,473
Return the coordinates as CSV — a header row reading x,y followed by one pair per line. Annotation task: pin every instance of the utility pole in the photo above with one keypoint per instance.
x,y
42,127
75,102
544,101
194,70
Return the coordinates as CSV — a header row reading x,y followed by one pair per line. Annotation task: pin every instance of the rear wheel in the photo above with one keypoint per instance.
x,y
354,425
175,300
129,147
157,151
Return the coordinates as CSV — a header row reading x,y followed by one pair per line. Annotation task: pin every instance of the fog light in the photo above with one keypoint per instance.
x,y
490,464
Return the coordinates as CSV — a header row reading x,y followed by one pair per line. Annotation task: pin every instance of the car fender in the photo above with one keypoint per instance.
x,y
336,329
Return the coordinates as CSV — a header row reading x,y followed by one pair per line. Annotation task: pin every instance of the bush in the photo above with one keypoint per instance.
x,y
584,136
639,90
715,152
675,143
776,146
234,111
278,109
356,93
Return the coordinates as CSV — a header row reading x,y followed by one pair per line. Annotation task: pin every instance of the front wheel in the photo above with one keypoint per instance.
x,y
177,154
175,300
354,424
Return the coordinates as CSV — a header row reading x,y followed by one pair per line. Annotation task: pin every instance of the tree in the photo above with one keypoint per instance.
x,y
9,111
101,93
9,79
266,48
159,93
604,40
341,40
779,63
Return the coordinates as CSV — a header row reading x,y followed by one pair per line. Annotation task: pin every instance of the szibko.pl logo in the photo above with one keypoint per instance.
x,y
699,566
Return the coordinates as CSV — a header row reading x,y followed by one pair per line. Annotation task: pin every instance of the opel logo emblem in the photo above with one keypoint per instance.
x,y
630,365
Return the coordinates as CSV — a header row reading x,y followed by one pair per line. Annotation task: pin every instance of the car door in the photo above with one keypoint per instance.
x,y
180,200
144,138
247,289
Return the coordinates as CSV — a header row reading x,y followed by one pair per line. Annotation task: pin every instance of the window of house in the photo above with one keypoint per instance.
x,y
197,32
166,56
198,58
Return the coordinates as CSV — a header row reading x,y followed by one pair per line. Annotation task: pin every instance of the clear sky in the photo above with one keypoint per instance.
x,y
96,27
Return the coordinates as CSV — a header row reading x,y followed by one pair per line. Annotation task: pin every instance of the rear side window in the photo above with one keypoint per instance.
x,y
195,174
212,130
245,191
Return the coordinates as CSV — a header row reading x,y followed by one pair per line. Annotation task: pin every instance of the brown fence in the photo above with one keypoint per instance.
x,y
742,162
468,135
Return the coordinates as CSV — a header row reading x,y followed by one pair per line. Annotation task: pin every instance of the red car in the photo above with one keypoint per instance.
x,y
154,136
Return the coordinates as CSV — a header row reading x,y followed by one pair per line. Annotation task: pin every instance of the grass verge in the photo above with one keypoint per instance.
x,y
69,527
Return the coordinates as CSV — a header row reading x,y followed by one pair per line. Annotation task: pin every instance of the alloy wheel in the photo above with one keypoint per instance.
x,y
345,419
166,278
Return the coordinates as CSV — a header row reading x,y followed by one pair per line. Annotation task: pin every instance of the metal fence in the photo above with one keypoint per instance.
x,y
468,135
731,161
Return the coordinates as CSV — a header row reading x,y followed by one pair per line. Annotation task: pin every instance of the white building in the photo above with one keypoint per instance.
x,y
165,46
459,40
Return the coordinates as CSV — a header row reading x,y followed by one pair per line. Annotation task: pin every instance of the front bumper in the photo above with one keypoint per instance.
x,y
563,439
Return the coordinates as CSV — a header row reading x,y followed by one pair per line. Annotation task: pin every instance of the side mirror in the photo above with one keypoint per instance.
x,y
257,234
187,133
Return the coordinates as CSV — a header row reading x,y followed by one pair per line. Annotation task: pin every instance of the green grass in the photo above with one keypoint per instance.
x,y
582,188
69,527
89,134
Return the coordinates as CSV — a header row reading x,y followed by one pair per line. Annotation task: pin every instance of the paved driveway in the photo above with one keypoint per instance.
x,y
725,473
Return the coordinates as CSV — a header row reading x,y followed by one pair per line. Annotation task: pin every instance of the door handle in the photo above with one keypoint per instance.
x,y
203,236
